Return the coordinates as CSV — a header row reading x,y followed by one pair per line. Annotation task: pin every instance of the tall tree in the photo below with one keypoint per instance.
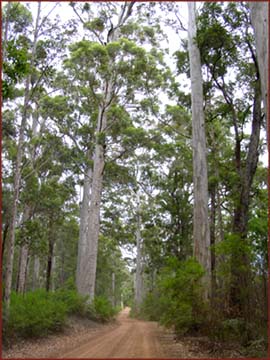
x,y
260,23
139,246
86,279
17,175
222,50
123,69
201,231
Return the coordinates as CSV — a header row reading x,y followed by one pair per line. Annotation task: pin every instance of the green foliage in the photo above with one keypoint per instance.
x,y
234,330
257,348
55,107
18,15
110,261
34,314
38,313
100,310
178,299
182,295
151,307
103,309
15,66
95,24
75,303
16,45
232,248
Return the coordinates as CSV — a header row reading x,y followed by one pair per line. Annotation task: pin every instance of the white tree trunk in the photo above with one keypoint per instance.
x,y
139,269
201,231
53,273
17,175
259,19
24,250
23,257
84,213
36,270
22,268
87,277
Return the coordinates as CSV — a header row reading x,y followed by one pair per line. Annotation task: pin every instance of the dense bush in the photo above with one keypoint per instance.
x,y
151,307
75,303
34,314
182,302
178,300
39,312
104,311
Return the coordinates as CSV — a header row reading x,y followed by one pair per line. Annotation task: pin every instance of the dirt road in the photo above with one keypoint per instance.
x,y
125,338
130,339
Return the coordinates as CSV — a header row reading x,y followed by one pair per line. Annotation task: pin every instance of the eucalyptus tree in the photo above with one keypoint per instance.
x,y
201,232
119,72
17,173
40,46
227,46
260,23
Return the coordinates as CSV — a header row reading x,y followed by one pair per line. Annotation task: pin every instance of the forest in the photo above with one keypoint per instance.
x,y
134,168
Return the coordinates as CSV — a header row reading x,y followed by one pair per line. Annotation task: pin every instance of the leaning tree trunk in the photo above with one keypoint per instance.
x,y
259,20
201,231
17,176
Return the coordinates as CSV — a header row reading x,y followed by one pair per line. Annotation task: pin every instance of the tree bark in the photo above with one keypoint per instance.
x,y
36,283
28,212
259,20
139,268
201,231
5,232
213,240
240,302
84,213
86,275
53,270
50,257
87,278
17,176
24,253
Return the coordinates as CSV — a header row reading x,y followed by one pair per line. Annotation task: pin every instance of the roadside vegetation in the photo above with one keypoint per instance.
x,y
27,320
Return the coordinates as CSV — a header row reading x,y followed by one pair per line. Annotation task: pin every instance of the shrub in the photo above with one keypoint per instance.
x,y
39,312
75,303
150,308
178,300
103,309
34,314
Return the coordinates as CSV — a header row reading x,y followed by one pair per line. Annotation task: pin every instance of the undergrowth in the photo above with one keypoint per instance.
x,y
39,313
